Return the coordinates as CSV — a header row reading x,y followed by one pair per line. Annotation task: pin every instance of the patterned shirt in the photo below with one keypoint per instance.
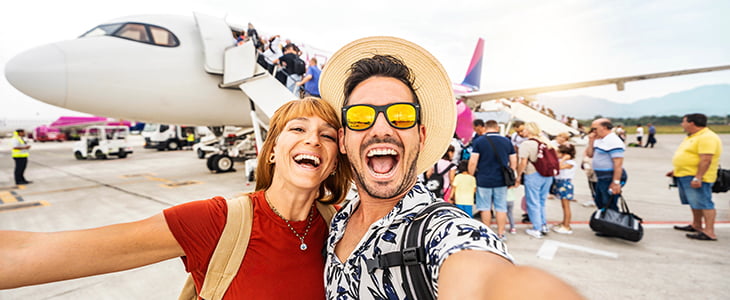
x,y
449,233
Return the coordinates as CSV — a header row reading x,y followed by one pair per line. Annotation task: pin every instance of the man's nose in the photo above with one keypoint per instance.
x,y
381,125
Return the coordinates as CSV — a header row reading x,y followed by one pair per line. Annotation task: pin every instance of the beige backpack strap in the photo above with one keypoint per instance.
x,y
229,252
327,211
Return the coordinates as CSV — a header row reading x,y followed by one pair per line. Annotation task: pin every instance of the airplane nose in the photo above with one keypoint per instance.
x,y
40,73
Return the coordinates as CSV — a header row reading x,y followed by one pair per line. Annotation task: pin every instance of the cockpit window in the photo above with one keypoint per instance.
x,y
144,33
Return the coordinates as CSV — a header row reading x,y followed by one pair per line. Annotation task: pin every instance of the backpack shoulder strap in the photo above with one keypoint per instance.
x,y
229,252
327,211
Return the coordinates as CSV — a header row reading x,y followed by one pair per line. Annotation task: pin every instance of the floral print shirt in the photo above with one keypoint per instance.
x,y
449,232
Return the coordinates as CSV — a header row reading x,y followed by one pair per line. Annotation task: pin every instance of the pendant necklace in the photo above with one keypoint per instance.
x,y
302,245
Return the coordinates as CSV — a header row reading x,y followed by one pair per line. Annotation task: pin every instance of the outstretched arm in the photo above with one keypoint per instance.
x,y
28,258
483,275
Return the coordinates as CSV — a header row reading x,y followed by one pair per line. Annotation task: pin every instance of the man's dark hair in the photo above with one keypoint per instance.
x,y
478,123
517,123
606,124
379,65
491,124
700,120
20,130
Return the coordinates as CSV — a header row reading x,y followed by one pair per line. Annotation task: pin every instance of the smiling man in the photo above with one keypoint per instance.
x,y
398,110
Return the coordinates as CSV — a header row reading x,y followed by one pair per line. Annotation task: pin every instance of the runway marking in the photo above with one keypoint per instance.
x,y
550,247
22,205
179,183
10,197
138,175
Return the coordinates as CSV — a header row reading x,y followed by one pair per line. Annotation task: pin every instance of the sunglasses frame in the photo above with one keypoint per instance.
x,y
378,109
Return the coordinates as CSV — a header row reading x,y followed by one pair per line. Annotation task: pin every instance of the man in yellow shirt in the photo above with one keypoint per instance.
x,y
695,170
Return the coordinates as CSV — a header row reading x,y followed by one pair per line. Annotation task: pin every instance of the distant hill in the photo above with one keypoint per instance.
x,y
709,100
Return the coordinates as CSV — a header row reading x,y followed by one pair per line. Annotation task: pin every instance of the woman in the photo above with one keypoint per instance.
x,y
537,186
299,164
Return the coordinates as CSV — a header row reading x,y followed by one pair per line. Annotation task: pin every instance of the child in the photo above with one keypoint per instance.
x,y
511,196
564,185
464,187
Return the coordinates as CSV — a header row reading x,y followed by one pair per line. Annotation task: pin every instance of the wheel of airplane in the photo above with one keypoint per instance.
x,y
223,163
78,155
211,162
99,154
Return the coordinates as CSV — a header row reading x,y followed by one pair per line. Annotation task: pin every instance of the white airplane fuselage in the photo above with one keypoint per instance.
x,y
127,79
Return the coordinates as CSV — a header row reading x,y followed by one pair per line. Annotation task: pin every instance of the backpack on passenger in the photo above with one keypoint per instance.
x,y
435,183
547,163
300,67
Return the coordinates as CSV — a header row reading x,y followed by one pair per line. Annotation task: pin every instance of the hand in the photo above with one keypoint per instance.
x,y
615,188
299,83
670,173
696,184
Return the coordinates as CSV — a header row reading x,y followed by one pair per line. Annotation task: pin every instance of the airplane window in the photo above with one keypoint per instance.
x,y
101,30
132,31
163,37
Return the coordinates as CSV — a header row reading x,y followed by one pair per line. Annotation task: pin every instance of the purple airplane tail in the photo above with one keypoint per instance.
x,y
474,72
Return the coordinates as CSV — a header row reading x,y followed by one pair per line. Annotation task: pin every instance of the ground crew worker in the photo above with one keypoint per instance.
x,y
190,139
20,156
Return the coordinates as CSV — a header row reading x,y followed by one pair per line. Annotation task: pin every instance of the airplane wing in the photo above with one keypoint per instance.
x,y
475,98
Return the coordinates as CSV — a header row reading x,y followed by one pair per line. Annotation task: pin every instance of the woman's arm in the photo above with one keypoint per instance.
x,y
28,258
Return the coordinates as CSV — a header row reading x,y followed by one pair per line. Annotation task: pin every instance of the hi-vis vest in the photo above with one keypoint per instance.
x,y
19,152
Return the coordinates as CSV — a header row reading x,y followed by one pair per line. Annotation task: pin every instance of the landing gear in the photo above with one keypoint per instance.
x,y
220,163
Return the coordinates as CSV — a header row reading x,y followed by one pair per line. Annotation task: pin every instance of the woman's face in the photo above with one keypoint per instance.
x,y
305,152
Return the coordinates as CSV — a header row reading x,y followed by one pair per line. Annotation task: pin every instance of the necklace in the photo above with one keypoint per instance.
x,y
302,245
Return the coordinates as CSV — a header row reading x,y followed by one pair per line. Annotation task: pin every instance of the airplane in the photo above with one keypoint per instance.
x,y
186,70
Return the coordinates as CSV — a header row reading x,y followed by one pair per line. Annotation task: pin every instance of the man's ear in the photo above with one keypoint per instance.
x,y
422,134
341,140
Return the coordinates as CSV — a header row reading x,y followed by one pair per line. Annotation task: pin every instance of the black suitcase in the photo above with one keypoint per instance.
x,y
621,224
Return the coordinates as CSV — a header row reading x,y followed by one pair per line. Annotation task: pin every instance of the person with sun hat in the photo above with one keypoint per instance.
x,y
398,115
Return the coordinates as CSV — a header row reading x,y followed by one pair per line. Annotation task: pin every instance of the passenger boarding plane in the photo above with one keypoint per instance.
x,y
185,70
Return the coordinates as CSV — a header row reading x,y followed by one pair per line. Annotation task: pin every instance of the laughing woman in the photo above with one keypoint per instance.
x,y
299,165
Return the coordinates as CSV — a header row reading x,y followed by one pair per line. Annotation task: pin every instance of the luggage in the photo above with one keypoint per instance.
x,y
621,224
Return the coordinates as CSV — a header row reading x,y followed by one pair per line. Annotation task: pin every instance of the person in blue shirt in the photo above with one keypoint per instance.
x,y
651,140
311,79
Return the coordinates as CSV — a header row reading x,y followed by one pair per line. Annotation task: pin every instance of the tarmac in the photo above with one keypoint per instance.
x,y
69,194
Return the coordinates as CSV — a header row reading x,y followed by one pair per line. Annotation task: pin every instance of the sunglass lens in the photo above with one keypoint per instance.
x,y
401,115
360,117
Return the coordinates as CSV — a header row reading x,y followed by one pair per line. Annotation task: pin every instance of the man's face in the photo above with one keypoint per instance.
x,y
685,125
21,133
383,158
601,131
521,131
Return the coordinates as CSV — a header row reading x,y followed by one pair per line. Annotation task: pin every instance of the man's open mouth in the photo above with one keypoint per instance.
x,y
382,161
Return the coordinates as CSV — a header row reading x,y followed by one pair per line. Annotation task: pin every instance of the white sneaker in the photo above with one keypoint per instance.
x,y
502,237
562,229
588,203
544,229
534,233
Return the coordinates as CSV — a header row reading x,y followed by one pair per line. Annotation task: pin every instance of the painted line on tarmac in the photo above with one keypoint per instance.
x,y
549,248
22,205
661,225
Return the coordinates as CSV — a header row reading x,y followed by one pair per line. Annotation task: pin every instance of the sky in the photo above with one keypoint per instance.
x,y
528,43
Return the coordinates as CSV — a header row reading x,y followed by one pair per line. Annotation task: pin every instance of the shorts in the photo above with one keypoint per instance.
x,y
700,198
465,208
494,195
564,189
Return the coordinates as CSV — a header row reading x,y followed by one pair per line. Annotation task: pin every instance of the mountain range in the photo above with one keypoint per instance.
x,y
711,100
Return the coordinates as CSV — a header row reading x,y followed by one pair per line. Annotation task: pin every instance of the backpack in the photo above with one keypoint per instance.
x,y
465,152
300,67
435,183
412,255
228,253
547,163
722,184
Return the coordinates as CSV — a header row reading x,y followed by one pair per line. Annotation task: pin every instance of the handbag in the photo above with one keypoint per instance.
x,y
622,223
509,175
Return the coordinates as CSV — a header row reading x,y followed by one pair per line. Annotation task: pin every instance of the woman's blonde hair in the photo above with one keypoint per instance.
x,y
334,188
536,133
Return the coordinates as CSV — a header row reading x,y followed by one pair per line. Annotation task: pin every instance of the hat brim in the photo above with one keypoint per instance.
x,y
432,85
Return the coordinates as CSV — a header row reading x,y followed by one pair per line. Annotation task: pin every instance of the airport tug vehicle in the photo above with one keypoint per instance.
x,y
100,142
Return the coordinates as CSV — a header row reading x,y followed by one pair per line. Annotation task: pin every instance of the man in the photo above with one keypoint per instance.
x,y
519,135
399,114
288,74
486,165
695,169
639,135
20,156
479,129
607,151
311,79
651,140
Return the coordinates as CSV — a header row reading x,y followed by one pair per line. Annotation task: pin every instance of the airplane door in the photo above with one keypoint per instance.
x,y
216,37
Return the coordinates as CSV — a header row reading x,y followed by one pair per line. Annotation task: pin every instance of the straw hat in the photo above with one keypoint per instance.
x,y
432,85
